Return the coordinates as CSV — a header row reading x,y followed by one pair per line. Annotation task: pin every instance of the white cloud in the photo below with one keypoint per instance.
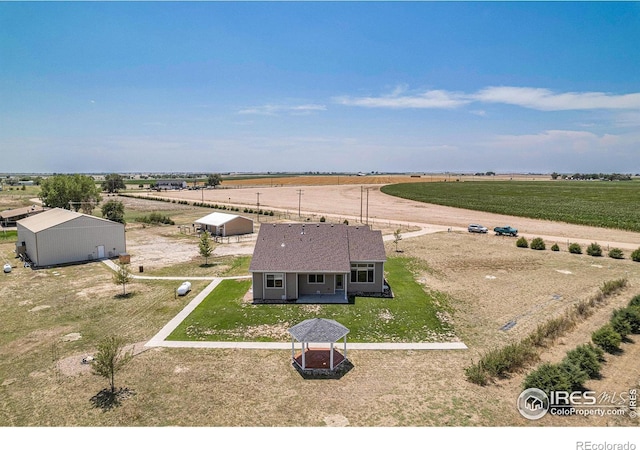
x,y
547,100
273,110
426,100
527,97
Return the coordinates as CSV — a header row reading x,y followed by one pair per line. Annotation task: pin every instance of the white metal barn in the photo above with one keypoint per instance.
x,y
221,224
60,236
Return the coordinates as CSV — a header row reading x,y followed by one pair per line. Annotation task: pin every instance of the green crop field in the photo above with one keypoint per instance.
x,y
598,203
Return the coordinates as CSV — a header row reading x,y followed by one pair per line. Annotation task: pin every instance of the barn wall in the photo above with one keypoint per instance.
x,y
78,240
29,238
239,225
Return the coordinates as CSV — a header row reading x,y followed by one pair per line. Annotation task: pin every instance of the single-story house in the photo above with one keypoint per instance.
x,y
222,224
59,236
9,217
295,260
171,184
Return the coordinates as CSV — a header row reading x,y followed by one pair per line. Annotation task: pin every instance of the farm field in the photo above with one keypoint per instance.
x,y
598,204
488,282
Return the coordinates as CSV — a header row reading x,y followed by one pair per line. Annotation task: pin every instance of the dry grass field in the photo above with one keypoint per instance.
x,y
54,317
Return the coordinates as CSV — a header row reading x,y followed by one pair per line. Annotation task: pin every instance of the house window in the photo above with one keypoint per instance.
x,y
316,278
274,280
362,273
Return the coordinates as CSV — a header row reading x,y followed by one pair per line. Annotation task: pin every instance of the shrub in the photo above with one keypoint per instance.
x,y
555,248
345,221
635,301
522,242
594,249
620,324
537,244
499,362
588,358
629,315
635,256
607,339
611,287
575,248
548,377
616,253
476,374
576,376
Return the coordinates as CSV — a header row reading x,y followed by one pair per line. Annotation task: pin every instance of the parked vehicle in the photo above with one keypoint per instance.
x,y
505,231
184,288
475,228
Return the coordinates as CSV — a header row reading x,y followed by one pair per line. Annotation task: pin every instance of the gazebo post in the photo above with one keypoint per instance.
x,y
345,346
331,356
304,366
293,350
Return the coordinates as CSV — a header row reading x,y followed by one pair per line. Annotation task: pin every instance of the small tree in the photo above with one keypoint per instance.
x,y
214,180
522,242
594,249
205,246
575,248
616,253
110,358
113,183
397,237
555,248
122,276
537,244
113,210
607,339
635,256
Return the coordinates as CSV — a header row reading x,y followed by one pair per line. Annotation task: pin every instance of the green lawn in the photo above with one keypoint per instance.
x,y
607,204
10,235
409,317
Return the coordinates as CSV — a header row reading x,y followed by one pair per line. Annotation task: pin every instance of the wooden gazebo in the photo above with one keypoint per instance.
x,y
318,331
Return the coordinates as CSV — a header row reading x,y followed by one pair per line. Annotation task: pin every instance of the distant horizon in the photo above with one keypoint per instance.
x,y
316,173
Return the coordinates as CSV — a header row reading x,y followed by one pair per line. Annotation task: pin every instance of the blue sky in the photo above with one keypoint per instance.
x,y
320,86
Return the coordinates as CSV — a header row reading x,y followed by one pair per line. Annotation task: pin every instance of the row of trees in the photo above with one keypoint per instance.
x,y
81,193
592,176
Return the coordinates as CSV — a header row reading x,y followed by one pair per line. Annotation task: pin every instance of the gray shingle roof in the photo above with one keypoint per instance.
x,y
318,330
319,247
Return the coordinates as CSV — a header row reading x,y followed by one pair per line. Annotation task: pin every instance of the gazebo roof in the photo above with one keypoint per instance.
x,y
318,330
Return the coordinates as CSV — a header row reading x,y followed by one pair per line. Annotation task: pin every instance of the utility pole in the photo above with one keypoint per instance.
x,y
299,201
258,207
361,204
367,206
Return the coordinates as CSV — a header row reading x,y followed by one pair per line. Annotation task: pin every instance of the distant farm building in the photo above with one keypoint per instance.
x,y
221,224
9,217
170,184
59,236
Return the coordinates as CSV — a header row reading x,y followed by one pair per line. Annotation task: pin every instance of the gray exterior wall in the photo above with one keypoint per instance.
x,y
304,288
376,286
258,279
73,241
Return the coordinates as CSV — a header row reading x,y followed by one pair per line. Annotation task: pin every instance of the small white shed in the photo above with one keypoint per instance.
x,y
222,224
